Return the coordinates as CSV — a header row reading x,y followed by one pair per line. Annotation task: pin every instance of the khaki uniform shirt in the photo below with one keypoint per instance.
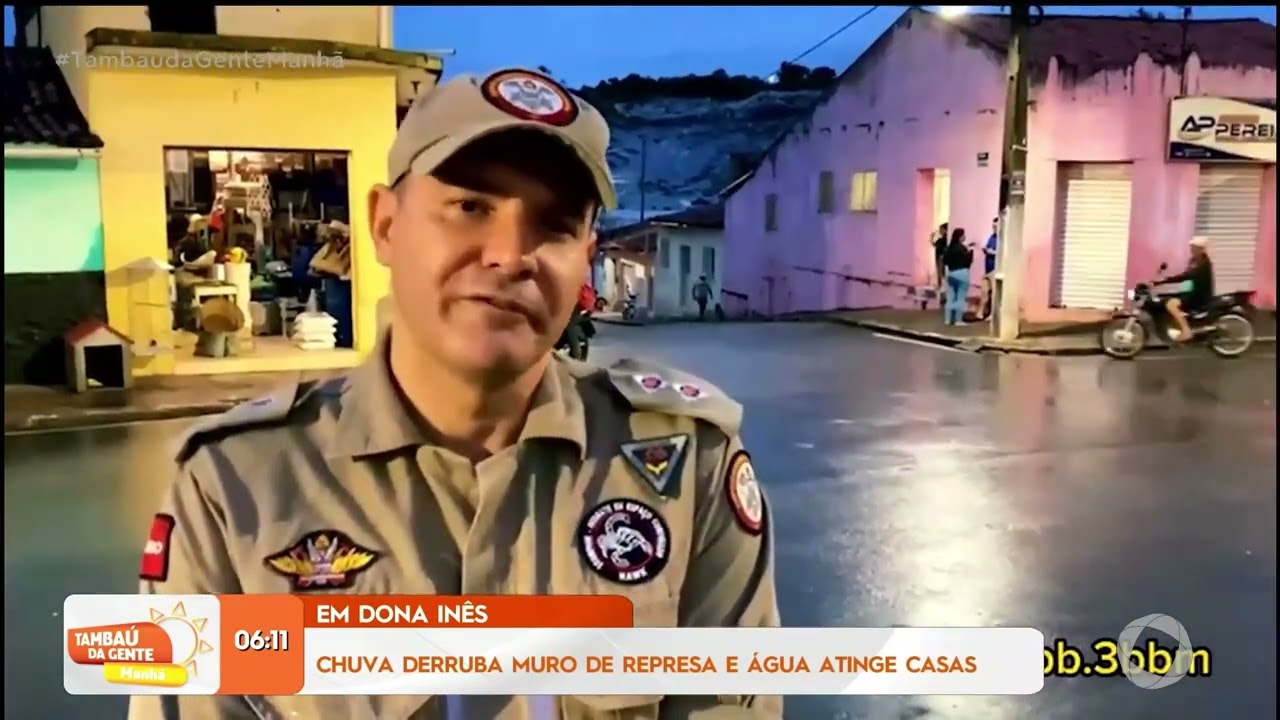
x,y
344,457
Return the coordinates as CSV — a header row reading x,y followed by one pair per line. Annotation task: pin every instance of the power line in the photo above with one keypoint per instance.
x,y
833,35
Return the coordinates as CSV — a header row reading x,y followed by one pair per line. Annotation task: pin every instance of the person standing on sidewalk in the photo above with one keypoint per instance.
x,y
464,456
990,251
957,260
938,243
702,295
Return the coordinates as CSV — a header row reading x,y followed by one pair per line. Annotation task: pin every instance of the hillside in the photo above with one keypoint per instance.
x,y
697,132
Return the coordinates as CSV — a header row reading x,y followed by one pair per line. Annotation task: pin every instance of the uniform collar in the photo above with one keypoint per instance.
x,y
374,419
557,411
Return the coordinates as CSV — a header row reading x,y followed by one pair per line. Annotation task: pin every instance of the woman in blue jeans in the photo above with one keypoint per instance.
x,y
957,259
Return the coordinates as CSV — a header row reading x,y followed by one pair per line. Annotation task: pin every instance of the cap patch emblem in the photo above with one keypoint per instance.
x,y
657,461
530,96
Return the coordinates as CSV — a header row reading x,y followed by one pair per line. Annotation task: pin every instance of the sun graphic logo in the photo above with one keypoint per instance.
x,y
185,633
170,649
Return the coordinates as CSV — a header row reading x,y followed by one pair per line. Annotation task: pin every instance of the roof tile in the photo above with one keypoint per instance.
x,y
39,106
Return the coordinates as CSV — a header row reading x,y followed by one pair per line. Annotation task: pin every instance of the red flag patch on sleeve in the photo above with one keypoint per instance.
x,y
155,556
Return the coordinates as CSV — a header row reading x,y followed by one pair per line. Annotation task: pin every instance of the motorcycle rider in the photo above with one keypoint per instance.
x,y
579,329
1199,274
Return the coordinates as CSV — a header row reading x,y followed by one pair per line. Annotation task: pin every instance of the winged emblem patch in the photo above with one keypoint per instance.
x,y
322,560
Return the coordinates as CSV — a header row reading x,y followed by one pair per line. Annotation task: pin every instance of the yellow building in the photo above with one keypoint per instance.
x,y
253,93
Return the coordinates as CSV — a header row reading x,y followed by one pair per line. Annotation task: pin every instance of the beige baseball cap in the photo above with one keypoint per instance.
x,y
1199,241
468,107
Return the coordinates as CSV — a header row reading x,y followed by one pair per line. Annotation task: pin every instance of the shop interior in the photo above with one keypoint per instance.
x,y
260,250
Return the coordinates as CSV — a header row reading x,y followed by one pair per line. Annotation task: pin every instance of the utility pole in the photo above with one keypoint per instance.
x,y
1186,49
1012,264
644,154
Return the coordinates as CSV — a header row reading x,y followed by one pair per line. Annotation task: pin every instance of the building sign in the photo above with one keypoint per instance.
x,y
1210,129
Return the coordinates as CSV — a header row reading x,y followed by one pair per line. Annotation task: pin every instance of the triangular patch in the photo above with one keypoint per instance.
x,y
657,461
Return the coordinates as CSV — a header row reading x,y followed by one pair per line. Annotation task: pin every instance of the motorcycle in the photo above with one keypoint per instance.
x,y
584,346
1224,325
629,307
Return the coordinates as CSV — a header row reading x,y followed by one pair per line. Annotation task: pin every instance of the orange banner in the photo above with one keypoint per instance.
x,y
505,611
262,644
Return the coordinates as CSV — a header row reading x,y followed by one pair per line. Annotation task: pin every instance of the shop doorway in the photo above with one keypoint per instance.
x,y
262,265
1229,213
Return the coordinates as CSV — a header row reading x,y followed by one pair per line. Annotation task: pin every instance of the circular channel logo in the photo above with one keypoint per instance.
x,y
1131,663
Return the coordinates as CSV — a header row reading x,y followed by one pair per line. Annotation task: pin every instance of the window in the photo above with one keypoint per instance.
x,y
771,212
664,253
862,195
826,192
184,18
709,262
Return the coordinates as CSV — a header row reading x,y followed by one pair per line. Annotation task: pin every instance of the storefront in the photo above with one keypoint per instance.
x,y
270,230
213,180
1234,142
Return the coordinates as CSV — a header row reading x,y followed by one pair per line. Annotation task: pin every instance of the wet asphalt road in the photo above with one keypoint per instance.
x,y
910,485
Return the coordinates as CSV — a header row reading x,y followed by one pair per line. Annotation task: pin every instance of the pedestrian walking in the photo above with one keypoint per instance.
x,y
702,295
957,260
464,456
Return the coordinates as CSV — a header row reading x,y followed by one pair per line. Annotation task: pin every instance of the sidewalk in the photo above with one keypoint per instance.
x,y
29,407
1037,338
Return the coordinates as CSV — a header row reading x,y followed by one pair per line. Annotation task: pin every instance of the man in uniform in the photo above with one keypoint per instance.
x,y
463,456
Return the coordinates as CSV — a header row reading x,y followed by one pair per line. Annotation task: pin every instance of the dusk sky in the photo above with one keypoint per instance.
x,y
587,44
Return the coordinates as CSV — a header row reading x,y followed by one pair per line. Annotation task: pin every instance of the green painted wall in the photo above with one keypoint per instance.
x,y
52,216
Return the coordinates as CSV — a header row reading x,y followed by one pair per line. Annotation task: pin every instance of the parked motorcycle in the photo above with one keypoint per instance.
x,y
1224,325
629,307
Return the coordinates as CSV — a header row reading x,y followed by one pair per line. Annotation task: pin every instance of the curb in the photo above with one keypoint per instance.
x,y
619,321
981,345
101,418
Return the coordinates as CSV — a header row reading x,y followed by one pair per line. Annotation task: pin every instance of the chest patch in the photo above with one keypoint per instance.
x,y
657,461
322,560
624,541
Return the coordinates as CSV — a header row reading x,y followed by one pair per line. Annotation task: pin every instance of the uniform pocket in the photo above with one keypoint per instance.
x,y
655,606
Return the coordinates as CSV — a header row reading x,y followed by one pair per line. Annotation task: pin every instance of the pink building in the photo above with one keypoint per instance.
x,y
840,211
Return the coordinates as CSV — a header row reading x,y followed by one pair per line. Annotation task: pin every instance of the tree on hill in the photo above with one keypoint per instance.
x,y
717,85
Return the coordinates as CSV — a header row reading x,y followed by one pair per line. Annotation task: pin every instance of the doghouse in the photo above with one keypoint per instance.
x,y
99,353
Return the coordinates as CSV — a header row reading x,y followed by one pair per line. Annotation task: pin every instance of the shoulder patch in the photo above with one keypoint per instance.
x,y
744,494
653,388
155,554
267,409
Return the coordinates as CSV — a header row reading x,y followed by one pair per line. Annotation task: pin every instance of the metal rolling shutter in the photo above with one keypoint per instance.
x,y
1227,211
1094,203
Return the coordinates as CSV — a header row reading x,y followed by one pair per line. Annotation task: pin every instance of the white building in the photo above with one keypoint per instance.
x,y
661,259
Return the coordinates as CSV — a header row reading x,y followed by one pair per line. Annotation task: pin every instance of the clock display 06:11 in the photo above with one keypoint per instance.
x,y
260,640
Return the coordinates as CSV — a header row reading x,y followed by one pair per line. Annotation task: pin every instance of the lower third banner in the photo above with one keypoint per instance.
x,y
504,645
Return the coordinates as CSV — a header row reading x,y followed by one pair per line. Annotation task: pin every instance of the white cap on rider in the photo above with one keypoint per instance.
x,y
1199,241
